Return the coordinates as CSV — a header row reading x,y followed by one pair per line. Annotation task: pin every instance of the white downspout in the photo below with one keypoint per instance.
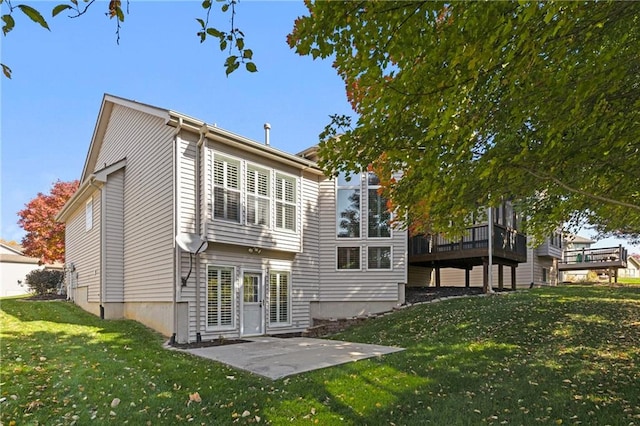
x,y
533,269
102,246
199,222
176,210
490,277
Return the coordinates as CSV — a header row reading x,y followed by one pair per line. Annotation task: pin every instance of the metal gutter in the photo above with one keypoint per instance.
x,y
237,141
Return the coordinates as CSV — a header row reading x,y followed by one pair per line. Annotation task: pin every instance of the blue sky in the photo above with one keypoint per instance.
x,y
49,107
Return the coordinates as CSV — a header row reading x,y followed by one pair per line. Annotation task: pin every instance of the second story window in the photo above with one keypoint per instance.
x,y
226,189
348,206
378,215
258,202
286,199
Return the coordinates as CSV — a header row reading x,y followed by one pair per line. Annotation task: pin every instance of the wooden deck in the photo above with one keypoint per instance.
x,y
594,259
509,248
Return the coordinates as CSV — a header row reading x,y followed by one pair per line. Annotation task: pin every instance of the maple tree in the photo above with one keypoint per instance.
x,y
538,102
44,237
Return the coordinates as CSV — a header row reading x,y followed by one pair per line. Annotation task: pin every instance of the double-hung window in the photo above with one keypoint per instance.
x,y
279,298
220,298
226,189
378,214
348,206
348,258
286,199
379,258
258,201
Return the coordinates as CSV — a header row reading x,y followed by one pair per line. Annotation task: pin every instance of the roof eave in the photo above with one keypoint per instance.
x,y
230,138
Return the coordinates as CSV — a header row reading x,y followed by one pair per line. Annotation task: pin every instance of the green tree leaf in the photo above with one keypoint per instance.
x,y
9,23
251,67
215,32
59,8
6,71
534,101
34,15
120,14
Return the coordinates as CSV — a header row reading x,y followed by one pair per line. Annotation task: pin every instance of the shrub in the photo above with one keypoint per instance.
x,y
592,276
43,281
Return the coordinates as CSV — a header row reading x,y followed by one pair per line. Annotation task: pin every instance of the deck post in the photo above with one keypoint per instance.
x,y
500,276
437,277
467,279
485,275
513,278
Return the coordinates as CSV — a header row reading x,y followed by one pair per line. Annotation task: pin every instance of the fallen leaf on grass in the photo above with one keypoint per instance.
x,y
34,404
194,397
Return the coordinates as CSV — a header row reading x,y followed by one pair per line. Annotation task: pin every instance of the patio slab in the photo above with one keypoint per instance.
x,y
276,358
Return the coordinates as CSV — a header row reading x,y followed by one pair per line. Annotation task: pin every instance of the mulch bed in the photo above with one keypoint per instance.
x,y
426,294
209,343
45,297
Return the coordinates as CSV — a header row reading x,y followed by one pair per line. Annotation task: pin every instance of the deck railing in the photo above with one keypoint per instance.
x,y
476,237
591,258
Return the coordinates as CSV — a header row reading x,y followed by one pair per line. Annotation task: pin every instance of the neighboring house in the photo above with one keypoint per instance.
x,y
633,268
579,258
15,267
575,242
285,244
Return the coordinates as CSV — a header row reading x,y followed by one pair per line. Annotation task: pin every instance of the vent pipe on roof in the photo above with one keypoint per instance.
x,y
267,128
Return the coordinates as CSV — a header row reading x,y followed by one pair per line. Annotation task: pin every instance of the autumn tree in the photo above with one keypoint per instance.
x,y
44,237
476,101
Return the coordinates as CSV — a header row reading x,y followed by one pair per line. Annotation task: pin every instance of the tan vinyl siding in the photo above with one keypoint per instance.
x,y
146,142
547,249
229,243
525,273
419,276
305,276
455,277
114,237
83,249
240,260
186,160
351,285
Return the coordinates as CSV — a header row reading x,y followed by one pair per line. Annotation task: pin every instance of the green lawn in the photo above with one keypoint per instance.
x,y
628,281
566,355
